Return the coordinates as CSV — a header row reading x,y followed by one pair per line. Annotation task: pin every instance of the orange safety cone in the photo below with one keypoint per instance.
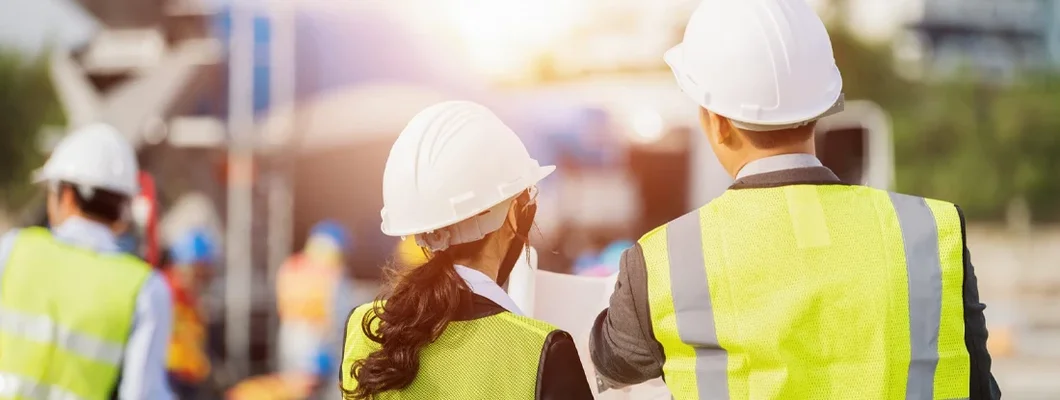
x,y
1001,342
273,387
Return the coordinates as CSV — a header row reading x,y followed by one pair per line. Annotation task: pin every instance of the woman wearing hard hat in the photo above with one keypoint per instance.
x,y
461,183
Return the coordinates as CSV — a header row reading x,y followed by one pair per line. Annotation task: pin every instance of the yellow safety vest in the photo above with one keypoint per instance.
x,y
811,292
65,316
494,357
305,290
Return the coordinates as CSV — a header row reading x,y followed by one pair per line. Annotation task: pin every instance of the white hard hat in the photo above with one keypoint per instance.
x,y
764,64
94,156
455,166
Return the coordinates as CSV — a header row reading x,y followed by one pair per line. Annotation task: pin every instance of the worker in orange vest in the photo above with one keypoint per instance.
x,y
191,263
309,289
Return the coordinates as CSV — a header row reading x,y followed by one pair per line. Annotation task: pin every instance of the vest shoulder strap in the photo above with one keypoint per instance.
x,y
538,327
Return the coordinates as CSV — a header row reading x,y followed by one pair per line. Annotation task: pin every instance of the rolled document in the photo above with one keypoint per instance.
x,y
521,282
572,303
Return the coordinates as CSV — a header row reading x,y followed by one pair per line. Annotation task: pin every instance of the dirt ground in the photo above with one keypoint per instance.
x,y
1019,280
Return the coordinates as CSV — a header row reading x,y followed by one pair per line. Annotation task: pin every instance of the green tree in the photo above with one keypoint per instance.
x,y
27,102
977,143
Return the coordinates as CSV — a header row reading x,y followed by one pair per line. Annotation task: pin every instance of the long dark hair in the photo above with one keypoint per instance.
x,y
420,303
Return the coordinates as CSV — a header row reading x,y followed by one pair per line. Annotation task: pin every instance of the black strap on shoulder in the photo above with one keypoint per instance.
x,y
560,375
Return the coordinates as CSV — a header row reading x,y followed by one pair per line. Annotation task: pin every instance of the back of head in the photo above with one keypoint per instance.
x,y
99,165
778,139
766,65
450,181
95,156
452,161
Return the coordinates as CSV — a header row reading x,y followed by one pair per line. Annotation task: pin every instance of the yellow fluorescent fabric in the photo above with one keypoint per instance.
x,y
65,315
494,357
679,368
807,217
954,364
809,291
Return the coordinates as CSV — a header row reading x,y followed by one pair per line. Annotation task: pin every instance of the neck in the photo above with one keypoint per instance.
x,y
490,268
71,216
485,261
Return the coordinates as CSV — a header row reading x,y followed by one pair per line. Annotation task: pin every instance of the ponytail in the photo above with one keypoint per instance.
x,y
420,304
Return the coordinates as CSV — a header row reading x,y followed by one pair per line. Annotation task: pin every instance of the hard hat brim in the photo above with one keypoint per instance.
x,y
41,176
675,59
541,173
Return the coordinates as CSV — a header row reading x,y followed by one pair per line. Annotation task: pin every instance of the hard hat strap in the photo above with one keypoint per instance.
x,y
526,209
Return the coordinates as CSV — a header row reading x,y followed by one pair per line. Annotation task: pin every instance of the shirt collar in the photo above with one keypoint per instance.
x,y
779,163
82,232
485,286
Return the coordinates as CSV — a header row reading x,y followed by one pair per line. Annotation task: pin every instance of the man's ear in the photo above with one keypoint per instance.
x,y
717,128
65,196
722,128
707,125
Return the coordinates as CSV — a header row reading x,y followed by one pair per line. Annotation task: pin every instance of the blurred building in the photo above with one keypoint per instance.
x,y
992,39
32,26
137,65
139,69
618,36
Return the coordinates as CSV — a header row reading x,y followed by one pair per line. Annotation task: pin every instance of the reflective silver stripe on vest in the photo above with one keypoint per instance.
x,y
692,306
921,240
40,328
17,386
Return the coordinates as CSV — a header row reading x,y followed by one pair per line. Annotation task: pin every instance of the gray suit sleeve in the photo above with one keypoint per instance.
x,y
623,348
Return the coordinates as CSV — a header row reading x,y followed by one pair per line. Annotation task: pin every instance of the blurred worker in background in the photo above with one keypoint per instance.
x,y
310,288
461,183
79,318
192,259
791,285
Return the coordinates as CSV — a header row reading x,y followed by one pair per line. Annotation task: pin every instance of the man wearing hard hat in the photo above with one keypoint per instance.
x,y
79,319
791,284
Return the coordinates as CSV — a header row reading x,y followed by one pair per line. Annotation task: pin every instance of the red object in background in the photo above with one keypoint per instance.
x,y
148,195
187,358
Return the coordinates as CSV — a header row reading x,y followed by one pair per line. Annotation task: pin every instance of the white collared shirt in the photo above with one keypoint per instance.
x,y
485,286
779,163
